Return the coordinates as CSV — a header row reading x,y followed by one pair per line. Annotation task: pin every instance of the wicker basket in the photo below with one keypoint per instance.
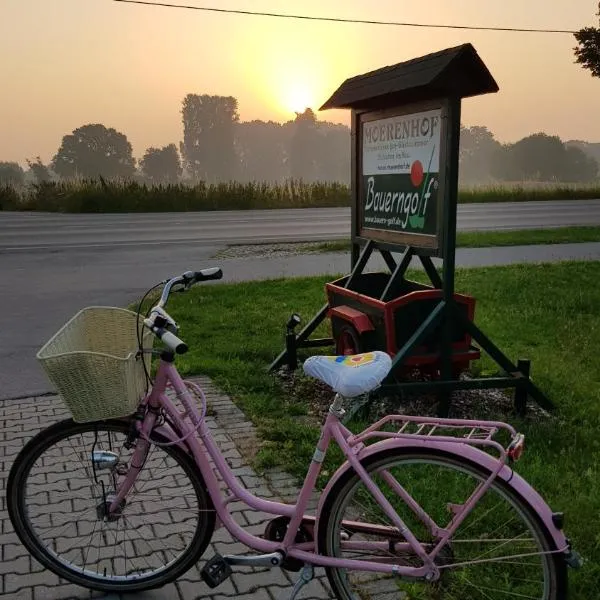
x,y
92,362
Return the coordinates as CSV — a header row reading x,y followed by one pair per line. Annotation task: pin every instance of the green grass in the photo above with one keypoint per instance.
x,y
549,313
89,196
486,239
527,237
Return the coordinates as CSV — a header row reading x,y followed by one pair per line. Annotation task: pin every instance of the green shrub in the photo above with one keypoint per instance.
x,y
95,196
10,199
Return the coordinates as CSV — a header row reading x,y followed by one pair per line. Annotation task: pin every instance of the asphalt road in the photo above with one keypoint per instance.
x,y
52,265
44,231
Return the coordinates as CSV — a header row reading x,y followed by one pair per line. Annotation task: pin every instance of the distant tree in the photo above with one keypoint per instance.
x,y
590,148
501,166
11,173
538,157
261,151
478,148
542,157
578,166
332,152
92,151
303,146
162,165
40,171
208,137
587,52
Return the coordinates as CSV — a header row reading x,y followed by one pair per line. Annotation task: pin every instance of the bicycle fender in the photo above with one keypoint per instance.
x,y
460,451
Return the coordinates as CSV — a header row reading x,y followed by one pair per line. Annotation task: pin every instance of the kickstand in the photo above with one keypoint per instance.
x,y
306,576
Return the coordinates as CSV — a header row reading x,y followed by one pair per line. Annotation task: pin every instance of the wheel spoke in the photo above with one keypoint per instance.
x,y
488,559
87,550
155,534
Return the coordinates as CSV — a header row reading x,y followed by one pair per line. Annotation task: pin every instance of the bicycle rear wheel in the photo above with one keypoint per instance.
x,y
57,504
510,542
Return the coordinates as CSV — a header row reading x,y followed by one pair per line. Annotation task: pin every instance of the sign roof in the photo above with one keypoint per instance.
x,y
457,72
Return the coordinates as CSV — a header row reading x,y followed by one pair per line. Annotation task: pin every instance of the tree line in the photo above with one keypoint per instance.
x,y
538,157
216,147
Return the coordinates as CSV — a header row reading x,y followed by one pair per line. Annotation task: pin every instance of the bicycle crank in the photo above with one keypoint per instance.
x,y
275,532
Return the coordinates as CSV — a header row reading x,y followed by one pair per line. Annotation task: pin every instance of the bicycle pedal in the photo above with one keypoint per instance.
x,y
215,571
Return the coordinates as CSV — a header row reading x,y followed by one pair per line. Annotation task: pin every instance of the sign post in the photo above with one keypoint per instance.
x,y
405,161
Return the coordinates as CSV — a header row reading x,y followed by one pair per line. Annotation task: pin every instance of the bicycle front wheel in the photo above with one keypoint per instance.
x,y
501,550
57,503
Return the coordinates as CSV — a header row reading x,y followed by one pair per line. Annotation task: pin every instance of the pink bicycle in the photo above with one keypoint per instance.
x,y
421,508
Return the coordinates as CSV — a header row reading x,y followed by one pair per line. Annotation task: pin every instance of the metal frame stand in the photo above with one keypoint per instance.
x,y
446,312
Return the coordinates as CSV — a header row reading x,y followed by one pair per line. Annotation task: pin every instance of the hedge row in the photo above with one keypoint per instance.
x,y
101,196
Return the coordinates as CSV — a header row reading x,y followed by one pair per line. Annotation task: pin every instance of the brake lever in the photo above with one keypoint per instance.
x,y
180,290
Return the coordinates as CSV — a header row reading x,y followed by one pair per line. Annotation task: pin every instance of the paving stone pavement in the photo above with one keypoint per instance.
x,y
22,577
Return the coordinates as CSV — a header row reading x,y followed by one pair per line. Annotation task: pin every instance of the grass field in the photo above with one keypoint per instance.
x,y
486,239
549,313
100,196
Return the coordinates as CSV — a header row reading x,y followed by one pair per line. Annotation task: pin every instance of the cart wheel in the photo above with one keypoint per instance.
x,y
459,368
348,341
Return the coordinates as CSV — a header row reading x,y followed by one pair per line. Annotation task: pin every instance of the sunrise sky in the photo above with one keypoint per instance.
x,y
65,63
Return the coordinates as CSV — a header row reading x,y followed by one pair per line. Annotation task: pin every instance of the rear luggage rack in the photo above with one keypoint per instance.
x,y
461,431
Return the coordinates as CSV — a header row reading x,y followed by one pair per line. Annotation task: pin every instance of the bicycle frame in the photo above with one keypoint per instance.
x,y
202,447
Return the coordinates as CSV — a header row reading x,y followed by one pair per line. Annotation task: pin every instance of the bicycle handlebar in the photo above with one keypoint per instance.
x,y
163,330
189,278
167,338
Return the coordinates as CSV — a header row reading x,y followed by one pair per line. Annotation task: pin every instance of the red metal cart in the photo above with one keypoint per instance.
x,y
362,321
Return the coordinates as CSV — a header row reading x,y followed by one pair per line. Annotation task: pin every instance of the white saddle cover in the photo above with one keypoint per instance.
x,y
351,375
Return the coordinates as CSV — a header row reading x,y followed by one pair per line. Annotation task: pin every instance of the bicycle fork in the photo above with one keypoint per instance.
x,y
110,460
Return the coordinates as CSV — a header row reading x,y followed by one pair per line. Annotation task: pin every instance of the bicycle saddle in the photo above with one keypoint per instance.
x,y
350,375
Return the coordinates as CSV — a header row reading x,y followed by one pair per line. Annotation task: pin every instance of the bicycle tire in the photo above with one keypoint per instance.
x,y
328,528
18,510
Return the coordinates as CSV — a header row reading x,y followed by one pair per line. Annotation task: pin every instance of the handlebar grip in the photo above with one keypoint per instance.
x,y
171,340
208,274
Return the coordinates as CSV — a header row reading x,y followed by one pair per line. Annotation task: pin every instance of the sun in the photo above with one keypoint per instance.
x,y
298,97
